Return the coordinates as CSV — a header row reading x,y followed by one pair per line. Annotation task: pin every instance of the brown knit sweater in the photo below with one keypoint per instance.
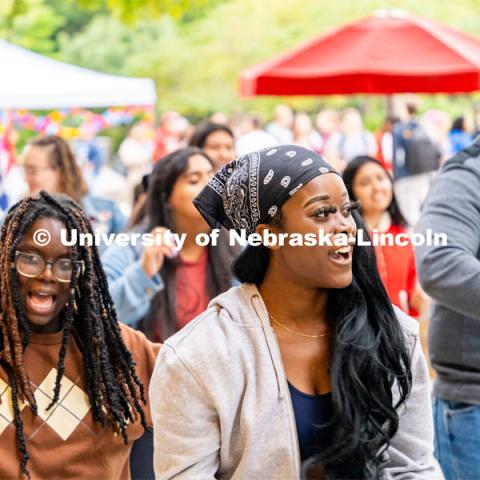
x,y
65,442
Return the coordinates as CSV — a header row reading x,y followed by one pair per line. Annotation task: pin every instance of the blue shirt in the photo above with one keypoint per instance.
x,y
312,414
459,140
401,135
104,214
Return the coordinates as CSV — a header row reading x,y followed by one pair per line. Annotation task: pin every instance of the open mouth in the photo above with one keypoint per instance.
x,y
40,302
341,255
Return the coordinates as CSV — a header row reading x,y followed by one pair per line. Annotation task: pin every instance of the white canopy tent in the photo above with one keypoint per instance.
x,y
31,81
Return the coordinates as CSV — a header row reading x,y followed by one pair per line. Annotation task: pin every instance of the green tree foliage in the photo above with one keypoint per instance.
x,y
30,24
75,15
196,49
111,46
130,11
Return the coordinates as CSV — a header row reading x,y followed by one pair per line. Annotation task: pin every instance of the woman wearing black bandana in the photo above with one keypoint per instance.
x,y
305,369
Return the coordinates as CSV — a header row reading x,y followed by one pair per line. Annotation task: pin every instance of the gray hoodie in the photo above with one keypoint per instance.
x,y
221,406
451,276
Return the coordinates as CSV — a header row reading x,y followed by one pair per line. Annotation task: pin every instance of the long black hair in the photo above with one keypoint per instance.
x,y
369,355
458,124
161,319
113,387
349,175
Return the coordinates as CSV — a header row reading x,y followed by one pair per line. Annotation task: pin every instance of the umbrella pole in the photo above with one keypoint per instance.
x,y
390,105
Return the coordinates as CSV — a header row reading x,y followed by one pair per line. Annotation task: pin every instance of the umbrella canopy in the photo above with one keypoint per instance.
x,y
383,54
29,80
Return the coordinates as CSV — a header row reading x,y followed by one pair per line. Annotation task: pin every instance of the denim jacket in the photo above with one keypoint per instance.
x,y
104,214
131,288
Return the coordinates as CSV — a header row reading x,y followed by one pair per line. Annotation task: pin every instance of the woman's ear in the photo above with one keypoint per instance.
x,y
269,232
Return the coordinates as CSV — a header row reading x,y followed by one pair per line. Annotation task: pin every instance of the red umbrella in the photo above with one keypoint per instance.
x,y
385,53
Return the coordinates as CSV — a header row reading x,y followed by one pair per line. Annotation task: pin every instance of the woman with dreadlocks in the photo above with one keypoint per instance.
x,y
72,379
307,360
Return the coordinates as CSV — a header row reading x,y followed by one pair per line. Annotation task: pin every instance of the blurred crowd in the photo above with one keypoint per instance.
x,y
389,170
338,135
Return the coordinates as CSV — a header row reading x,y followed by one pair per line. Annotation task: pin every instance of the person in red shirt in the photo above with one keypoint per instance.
x,y
384,139
167,136
73,380
368,181
156,288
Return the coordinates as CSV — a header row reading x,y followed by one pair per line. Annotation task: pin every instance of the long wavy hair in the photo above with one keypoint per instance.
x,y
61,156
161,319
369,356
351,172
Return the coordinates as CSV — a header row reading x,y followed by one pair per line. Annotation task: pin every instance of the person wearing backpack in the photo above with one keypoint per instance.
x,y
350,141
415,159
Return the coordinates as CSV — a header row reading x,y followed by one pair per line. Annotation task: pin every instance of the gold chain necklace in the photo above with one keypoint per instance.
x,y
297,333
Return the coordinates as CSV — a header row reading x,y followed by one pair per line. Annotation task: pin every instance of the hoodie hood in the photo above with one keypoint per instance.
x,y
244,305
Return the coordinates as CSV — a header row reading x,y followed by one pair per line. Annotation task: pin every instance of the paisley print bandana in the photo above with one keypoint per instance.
x,y
251,189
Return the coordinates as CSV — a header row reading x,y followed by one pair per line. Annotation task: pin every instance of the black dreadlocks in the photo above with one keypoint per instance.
x,y
113,387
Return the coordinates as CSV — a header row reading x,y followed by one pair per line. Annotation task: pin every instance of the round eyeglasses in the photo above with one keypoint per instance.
x,y
31,265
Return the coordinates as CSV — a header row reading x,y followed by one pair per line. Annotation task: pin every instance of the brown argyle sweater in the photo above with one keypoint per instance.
x,y
64,442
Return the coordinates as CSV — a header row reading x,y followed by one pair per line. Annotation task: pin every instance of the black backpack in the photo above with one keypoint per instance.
x,y
421,154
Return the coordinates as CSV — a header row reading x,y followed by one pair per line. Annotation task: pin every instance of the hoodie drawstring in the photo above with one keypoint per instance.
x,y
273,347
